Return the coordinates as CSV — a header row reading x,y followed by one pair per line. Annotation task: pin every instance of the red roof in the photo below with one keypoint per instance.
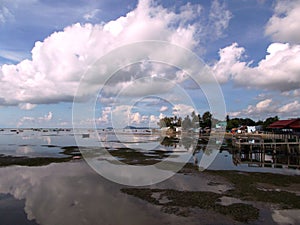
x,y
292,123
295,125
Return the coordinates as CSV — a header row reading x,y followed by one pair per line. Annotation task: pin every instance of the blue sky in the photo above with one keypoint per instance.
x,y
251,47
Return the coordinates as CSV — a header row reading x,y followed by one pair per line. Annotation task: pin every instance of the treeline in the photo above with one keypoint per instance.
x,y
237,122
190,121
206,120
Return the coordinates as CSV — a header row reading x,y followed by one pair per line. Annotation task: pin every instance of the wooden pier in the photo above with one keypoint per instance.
x,y
287,143
267,150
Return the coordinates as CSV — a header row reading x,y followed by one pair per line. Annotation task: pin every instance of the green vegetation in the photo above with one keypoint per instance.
x,y
207,120
246,188
178,202
170,122
237,122
189,121
269,121
134,157
25,161
69,151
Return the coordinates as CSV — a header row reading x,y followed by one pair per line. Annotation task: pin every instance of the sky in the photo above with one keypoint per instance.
x,y
49,51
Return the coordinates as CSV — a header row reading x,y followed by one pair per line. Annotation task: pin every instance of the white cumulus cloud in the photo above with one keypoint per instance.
x,y
163,108
26,106
135,118
262,105
279,70
105,116
59,61
30,120
284,25
270,107
182,110
219,18
293,107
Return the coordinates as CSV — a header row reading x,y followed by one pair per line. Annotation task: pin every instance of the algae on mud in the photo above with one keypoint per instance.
x,y
245,189
26,161
180,202
69,152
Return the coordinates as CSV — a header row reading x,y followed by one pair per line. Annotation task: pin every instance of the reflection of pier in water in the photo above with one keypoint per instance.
x,y
277,151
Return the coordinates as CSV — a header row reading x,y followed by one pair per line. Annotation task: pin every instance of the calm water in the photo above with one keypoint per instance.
x,y
49,144
72,193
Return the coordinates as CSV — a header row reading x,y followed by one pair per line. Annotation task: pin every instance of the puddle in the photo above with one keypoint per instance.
x,y
293,188
286,217
161,199
225,201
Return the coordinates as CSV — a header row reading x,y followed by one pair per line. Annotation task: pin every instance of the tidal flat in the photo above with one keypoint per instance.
x,y
46,180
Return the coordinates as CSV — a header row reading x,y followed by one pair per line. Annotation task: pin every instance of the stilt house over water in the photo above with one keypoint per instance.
x,y
286,126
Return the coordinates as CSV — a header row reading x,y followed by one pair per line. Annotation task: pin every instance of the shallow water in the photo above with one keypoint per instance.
x,y
73,193
12,211
49,144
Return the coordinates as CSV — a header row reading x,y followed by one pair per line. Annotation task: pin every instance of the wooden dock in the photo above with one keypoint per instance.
x,y
267,151
288,143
